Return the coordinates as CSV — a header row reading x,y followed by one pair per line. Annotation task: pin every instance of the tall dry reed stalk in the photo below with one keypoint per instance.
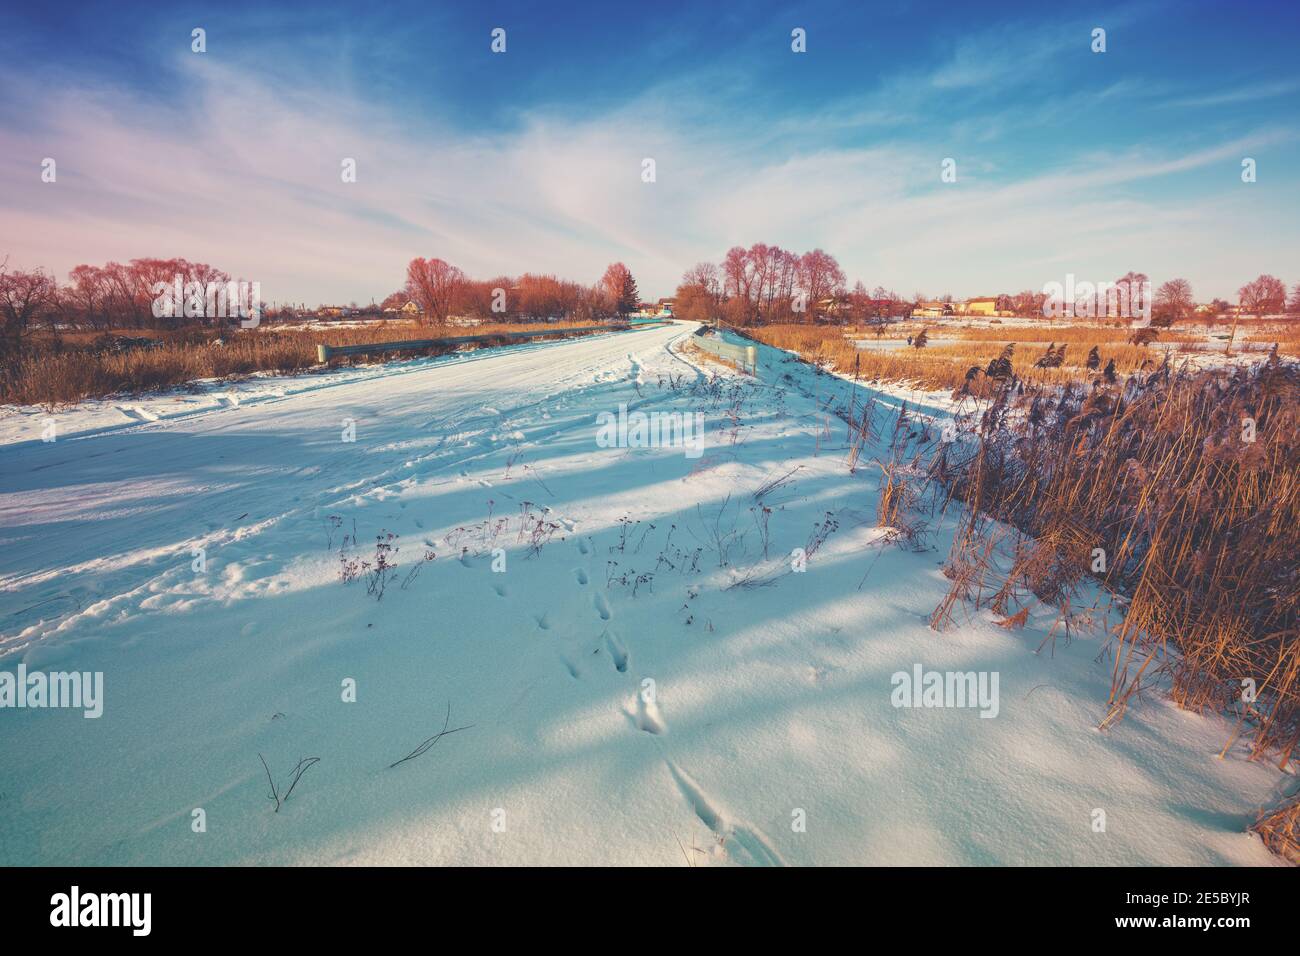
x,y
1179,492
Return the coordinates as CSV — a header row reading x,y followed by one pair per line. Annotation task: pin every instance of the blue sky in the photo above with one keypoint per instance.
x,y
1067,161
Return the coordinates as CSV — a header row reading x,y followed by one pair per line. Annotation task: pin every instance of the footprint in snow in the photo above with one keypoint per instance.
x,y
602,607
748,843
646,715
617,651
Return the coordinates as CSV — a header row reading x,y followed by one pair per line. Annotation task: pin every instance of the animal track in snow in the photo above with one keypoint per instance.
x,y
646,715
754,848
581,575
543,621
617,652
602,607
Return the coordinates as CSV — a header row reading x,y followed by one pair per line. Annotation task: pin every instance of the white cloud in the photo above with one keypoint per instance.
x,y
246,176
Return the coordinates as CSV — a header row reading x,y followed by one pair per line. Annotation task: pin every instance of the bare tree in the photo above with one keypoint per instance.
x,y
1173,303
1264,296
708,277
435,286
24,298
1132,289
820,277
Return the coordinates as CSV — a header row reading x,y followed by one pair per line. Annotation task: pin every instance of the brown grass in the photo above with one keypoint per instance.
x,y
1287,339
947,366
1083,336
1179,492
1199,525
72,366
1279,828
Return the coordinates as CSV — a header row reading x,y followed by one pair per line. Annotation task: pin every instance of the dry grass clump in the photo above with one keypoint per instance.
x,y
949,366
1279,828
69,376
1287,339
1177,490
1081,336
1180,491
901,491
1081,455
66,368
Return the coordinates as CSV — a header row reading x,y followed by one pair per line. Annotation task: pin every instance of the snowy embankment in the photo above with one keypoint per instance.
x,y
640,674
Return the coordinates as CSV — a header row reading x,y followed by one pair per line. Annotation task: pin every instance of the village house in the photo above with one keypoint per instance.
x,y
982,306
932,309
1208,310
831,306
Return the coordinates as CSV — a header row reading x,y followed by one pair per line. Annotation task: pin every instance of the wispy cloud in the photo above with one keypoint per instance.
x,y
1241,94
240,166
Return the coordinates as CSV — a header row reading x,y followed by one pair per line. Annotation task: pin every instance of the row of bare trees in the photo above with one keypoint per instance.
x,y
113,296
121,295
442,290
765,284
1173,301
761,285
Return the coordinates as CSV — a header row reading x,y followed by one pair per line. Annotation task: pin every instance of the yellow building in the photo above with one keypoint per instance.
x,y
981,307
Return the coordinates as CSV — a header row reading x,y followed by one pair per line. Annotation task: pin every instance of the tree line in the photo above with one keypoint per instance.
x,y
765,285
115,295
761,284
442,291
126,296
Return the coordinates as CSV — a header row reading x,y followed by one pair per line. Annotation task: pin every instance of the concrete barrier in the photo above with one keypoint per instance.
x,y
746,356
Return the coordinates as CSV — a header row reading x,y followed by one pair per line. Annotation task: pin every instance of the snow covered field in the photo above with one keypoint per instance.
x,y
633,671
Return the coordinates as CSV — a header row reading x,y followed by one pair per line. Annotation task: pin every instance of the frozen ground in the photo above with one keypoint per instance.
x,y
639,685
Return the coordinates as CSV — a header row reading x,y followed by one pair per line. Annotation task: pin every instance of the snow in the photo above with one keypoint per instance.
x,y
771,700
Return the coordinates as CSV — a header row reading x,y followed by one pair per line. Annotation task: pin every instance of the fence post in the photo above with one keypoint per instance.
x,y
751,355
322,353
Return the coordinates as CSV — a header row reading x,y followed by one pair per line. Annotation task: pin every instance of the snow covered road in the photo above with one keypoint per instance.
x,y
640,674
